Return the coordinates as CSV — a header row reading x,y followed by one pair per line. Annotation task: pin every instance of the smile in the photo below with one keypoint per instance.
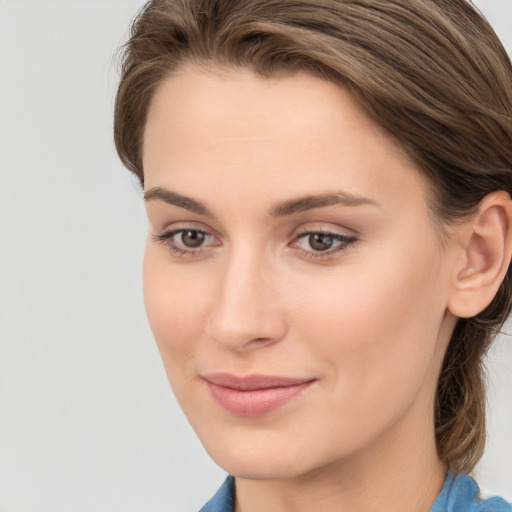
x,y
254,395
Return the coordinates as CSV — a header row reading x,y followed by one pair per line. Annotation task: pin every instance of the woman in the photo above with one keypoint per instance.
x,y
330,230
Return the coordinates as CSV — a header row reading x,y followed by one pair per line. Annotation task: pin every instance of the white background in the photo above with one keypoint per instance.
x,y
87,419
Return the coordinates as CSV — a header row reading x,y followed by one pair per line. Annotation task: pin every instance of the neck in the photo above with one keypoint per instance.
x,y
400,472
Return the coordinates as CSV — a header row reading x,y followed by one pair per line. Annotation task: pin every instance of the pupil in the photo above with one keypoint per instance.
x,y
320,242
192,238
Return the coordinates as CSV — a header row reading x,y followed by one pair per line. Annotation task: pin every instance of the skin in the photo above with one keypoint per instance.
x,y
368,319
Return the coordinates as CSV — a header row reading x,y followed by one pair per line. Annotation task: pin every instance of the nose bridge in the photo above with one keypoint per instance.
x,y
246,309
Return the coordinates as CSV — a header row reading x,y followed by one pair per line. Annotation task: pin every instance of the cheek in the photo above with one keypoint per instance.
x,y
177,307
375,325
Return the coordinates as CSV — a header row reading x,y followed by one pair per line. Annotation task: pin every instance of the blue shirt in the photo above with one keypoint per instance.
x,y
459,494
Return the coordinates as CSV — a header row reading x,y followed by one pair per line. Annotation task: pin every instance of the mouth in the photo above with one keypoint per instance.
x,y
253,395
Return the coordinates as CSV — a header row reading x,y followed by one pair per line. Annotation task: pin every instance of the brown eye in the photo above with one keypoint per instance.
x,y
188,242
192,238
320,241
323,244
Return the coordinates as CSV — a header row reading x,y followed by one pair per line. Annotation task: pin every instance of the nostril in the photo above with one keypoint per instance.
x,y
252,333
260,341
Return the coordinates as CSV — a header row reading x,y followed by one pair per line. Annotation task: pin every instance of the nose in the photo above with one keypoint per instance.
x,y
246,313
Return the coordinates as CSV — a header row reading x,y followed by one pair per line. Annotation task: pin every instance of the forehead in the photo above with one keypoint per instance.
x,y
247,104
208,128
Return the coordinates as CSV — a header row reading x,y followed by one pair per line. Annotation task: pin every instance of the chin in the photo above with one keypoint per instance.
x,y
263,467
259,457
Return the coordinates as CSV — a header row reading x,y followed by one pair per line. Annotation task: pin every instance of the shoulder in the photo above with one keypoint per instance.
x,y
461,493
224,499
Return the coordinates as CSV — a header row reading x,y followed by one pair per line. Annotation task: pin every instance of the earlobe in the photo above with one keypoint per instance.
x,y
486,241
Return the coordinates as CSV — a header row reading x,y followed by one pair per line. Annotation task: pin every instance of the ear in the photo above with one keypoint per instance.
x,y
486,248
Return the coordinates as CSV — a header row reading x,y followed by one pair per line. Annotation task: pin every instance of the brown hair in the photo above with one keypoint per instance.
x,y
431,72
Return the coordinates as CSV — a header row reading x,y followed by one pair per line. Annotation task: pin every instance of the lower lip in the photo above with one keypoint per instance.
x,y
252,403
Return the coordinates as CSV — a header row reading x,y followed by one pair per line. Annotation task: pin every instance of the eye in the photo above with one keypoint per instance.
x,y
187,241
320,241
192,238
323,244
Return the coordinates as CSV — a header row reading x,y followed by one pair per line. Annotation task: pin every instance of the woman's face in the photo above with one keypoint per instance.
x,y
294,277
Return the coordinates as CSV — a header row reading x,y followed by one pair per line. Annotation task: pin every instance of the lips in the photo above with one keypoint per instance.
x,y
253,395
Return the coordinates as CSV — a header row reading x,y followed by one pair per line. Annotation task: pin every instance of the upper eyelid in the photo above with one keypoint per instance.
x,y
302,230
190,226
343,239
326,233
175,230
336,231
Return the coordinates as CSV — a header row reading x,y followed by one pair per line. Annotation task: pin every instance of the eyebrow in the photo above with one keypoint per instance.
x,y
170,197
281,209
319,201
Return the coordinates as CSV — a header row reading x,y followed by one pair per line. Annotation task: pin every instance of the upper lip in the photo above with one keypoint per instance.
x,y
253,382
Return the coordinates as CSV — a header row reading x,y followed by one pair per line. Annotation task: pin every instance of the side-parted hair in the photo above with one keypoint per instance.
x,y
431,72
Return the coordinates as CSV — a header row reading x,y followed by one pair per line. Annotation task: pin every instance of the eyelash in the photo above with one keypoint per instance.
x,y
166,239
345,242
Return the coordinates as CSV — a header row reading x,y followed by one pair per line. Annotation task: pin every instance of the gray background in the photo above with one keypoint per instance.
x,y
87,420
